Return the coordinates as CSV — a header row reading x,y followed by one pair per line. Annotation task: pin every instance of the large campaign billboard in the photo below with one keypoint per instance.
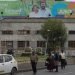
x,y
38,8
70,0
66,0
10,8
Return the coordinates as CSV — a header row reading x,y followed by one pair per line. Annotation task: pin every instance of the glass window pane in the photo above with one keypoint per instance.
x,y
1,59
8,58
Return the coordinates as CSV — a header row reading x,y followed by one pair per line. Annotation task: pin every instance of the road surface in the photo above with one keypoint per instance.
x,y
69,70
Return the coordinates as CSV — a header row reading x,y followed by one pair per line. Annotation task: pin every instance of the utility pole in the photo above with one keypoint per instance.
x,y
47,41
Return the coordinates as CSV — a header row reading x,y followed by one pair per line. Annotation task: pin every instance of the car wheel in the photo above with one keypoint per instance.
x,y
13,71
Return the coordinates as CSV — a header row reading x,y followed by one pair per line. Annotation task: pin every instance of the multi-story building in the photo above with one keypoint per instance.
x,y
22,33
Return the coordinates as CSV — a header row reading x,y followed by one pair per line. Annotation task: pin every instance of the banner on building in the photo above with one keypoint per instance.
x,y
38,8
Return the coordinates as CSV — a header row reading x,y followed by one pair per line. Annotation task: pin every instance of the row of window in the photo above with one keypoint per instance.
x,y
19,32
23,32
22,43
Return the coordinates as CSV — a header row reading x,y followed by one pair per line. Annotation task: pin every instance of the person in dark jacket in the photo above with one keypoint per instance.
x,y
56,59
10,51
34,60
50,63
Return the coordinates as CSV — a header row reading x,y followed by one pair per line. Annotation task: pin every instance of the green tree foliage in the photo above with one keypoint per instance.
x,y
54,31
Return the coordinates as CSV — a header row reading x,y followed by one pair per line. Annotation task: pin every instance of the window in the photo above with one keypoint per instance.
x,y
3,43
71,32
71,44
40,43
7,58
27,43
7,32
38,32
1,59
23,44
9,43
6,44
28,32
23,32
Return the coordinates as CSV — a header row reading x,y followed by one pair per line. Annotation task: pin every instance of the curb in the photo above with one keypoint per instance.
x,y
31,69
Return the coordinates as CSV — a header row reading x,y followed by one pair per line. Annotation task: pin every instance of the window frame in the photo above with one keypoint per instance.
x,y
71,44
7,32
41,43
71,32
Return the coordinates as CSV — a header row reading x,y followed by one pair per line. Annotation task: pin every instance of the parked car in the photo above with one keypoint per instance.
x,y
8,65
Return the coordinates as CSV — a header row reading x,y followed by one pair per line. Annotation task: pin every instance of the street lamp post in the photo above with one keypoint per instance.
x,y
60,41
1,18
47,41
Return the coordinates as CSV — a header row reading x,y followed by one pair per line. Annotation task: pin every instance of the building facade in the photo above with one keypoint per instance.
x,y
22,34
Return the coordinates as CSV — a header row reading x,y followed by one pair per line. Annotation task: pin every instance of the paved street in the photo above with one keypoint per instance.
x,y
27,66
70,70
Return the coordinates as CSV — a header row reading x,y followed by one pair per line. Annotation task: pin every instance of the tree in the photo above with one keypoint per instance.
x,y
54,31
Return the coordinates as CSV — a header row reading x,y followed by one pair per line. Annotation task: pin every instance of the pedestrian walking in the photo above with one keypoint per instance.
x,y
34,60
63,59
50,63
52,54
56,59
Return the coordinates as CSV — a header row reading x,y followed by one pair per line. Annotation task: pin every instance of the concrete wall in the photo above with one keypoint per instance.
x,y
32,25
